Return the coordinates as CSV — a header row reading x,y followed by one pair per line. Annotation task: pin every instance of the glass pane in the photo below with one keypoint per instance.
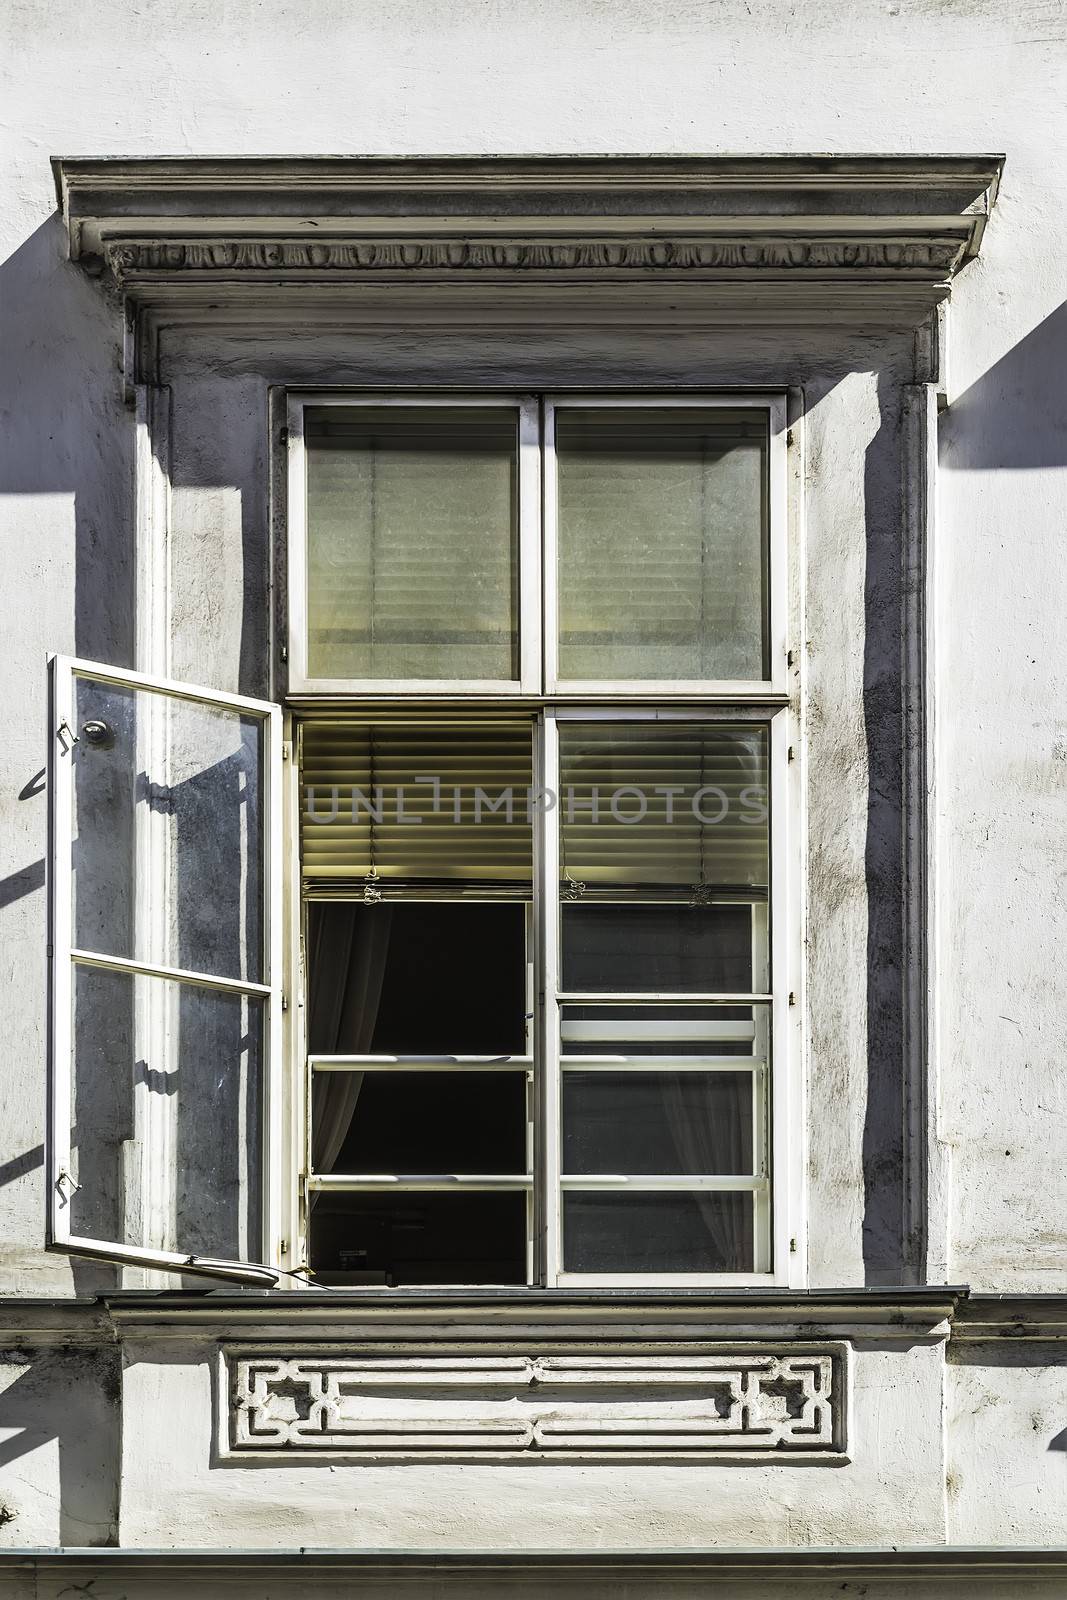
x,y
694,1124
419,1122
662,542
607,1031
415,979
412,566
166,1115
655,808
417,802
657,949
426,1237
687,1232
168,814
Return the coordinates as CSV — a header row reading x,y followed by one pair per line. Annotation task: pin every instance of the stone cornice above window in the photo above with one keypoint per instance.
x,y
894,227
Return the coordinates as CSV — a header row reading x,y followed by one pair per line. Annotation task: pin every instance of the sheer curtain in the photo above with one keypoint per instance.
x,y
347,960
710,1141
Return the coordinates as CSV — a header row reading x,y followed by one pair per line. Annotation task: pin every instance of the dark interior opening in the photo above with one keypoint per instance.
x,y
660,949
428,1237
420,1122
417,978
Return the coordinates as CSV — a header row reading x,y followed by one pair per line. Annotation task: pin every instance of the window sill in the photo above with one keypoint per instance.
x,y
904,1314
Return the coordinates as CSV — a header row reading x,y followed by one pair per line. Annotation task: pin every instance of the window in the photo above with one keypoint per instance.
x,y
417,885
529,881
165,972
413,545
544,946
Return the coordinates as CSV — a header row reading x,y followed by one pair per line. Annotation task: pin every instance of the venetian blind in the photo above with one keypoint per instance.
x,y
416,803
664,805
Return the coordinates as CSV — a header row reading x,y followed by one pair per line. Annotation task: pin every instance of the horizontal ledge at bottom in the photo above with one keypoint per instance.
x,y
938,1561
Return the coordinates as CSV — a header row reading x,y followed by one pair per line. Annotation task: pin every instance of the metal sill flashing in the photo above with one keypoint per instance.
x,y
938,1562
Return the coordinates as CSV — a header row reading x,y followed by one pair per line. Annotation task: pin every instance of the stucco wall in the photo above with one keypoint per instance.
x,y
629,77
607,75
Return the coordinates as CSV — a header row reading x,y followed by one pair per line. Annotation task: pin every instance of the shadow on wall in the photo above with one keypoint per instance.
x,y
890,1254
67,434
1014,417
67,431
73,1397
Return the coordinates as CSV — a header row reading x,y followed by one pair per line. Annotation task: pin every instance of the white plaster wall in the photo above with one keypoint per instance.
x,y
607,75
893,1488
601,75
1006,1416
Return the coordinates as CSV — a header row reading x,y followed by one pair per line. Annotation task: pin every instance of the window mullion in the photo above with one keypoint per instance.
x,y
530,555
548,886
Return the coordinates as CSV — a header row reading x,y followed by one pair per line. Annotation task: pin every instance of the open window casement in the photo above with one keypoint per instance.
x,y
165,972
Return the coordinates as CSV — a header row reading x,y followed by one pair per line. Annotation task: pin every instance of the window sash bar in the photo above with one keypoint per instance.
x,y
626,1028
248,1272
605,997
666,1064
123,677
149,969
344,1183
421,1063
654,1183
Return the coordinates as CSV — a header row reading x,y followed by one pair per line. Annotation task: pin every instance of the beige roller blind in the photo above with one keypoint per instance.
x,y
677,805
367,805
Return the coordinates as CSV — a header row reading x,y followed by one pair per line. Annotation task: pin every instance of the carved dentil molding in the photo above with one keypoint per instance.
x,y
785,1402
921,257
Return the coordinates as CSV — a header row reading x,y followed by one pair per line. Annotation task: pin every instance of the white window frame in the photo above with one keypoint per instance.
x,y
524,1064
774,405
775,1197
766,701
64,956
528,494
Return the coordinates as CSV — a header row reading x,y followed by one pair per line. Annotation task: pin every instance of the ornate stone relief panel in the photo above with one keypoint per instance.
x,y
923,256
787,1402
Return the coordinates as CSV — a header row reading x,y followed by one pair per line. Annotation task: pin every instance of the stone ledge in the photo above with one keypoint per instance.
x,y
224,1568
464,1318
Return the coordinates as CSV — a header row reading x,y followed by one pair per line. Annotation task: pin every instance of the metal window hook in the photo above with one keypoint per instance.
x,y
96,732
